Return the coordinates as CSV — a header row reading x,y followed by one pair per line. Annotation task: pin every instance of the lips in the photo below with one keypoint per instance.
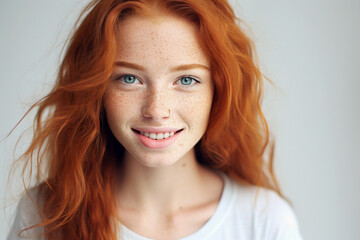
x,y
157,138
157,134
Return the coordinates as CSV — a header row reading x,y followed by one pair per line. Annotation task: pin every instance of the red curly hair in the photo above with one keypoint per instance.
x,y
75,152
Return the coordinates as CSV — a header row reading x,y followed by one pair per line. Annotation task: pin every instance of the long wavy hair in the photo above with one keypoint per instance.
x,y
74,151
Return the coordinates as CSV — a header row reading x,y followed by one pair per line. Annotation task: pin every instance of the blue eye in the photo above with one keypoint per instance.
x,y
128,79
187,81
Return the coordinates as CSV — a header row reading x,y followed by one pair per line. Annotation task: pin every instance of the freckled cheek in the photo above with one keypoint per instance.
x,y
120,105
196,109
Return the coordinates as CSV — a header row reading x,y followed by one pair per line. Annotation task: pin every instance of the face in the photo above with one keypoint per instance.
x,y
159,97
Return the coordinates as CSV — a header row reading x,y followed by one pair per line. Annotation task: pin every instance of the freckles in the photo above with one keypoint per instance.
x,y
122,102
193,50
196,108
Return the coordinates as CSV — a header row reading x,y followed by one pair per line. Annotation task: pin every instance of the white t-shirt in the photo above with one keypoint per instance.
x,y
243,213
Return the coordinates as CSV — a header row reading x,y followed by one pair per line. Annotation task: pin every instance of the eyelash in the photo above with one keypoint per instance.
x,y
121,78
194,80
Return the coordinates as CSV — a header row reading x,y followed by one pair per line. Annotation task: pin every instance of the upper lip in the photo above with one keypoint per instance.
x,y
156,129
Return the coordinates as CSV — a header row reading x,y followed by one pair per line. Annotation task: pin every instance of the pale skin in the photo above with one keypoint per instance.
x,y
162,79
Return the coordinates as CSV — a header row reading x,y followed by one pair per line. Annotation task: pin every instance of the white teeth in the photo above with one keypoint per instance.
x,y
152,135
158,136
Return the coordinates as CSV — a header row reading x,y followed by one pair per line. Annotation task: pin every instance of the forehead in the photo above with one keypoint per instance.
x,y
167,38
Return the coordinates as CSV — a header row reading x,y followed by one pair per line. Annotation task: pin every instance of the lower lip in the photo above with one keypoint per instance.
x,y
157,144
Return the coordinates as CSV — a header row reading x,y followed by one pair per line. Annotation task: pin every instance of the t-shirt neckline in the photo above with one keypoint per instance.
x,y
211,226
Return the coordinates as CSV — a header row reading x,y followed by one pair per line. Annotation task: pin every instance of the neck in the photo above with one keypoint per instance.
x,y
165,189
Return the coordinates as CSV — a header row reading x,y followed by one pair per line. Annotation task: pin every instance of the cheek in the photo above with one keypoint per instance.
x,y
196,109
119,106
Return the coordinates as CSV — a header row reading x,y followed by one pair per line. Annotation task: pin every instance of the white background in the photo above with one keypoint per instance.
x,y
308,48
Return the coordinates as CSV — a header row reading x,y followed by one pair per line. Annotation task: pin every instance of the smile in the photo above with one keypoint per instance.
x,y
157,139
157,136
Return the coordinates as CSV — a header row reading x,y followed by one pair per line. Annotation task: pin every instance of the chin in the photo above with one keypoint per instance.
x,y
157,161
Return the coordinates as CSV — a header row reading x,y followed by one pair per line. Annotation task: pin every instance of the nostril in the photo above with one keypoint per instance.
x,y
156,112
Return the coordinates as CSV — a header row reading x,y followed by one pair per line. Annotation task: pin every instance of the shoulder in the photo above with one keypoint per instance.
x,y
27,215
267,214
274,213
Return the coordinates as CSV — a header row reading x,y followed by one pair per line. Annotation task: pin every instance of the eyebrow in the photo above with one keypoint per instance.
x,y
174,69
129,65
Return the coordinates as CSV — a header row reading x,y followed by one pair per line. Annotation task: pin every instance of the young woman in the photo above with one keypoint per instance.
x,y
154,131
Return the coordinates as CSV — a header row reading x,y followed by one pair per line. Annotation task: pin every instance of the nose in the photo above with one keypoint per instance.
x,y
156,105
